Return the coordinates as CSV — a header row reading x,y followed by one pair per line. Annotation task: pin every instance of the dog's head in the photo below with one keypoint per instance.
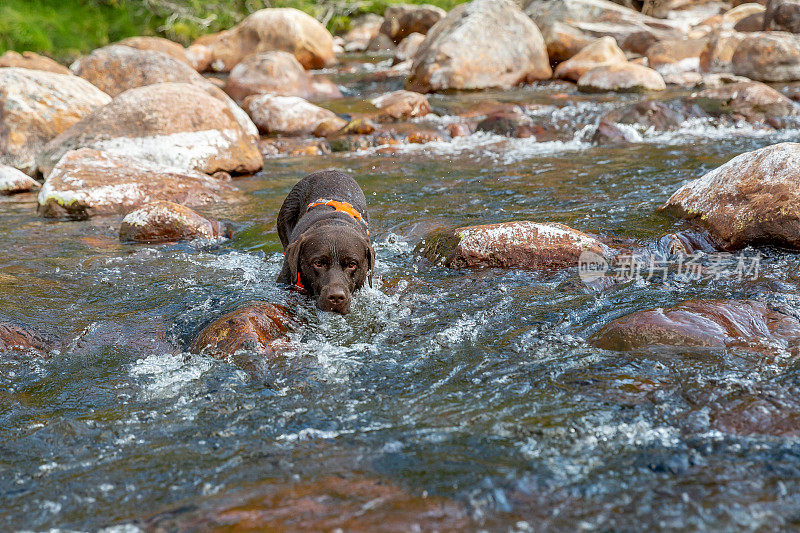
x,y
333,262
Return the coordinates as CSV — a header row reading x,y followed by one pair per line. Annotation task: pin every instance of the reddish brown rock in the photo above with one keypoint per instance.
x,y
563,41
676,55
752,100
709,323
621,77
603,51
750,23
165,221
37,106
176,124
354,504
423,137
647,114
280,74
485,43
757,413
287,115
402,105
157,44
718,52
15,336
117,68
88,182
32,61
768,56
362,31
782,15
13,181
566,21
258,327
510,124
401,20
523,245
274,29
752,199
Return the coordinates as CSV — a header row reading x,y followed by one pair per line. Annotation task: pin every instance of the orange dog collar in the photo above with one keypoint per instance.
x,y
344,207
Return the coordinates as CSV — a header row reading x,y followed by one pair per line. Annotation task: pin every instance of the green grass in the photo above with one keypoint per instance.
x,y
65,29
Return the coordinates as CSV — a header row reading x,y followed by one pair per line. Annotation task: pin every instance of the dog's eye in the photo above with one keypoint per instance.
x,y
352,264
319,263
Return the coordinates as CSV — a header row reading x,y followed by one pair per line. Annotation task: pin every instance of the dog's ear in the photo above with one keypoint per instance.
x,y
293,259
370,261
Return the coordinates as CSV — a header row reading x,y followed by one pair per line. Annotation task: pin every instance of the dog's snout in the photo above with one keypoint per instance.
x,y
337,296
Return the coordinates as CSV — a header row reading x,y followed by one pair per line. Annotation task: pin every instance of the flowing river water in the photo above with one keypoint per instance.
x,y
475,387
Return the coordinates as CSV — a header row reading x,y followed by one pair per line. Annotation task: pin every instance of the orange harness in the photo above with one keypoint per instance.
x,y
344,207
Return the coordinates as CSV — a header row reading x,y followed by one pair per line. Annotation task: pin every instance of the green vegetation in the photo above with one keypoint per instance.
x,y
67,28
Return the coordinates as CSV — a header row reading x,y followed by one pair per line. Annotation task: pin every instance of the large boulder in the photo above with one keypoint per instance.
x,y
782,15
117,68
676,55
523,245
13,181
165,221
157,44
37,106
33,61
567,22
175,124
18,337
485,43
401,20
88,182
751,100
603,51
713,323
768,56
287,115
286,29
752,199
621,77
258,327
399,105
277,73
718,52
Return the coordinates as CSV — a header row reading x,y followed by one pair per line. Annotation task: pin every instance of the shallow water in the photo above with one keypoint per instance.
x,y
478,386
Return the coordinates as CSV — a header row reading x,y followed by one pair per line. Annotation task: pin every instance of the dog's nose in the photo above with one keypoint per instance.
x,y
336,297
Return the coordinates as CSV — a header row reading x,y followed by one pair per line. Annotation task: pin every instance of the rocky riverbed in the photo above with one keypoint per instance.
x,y
154,377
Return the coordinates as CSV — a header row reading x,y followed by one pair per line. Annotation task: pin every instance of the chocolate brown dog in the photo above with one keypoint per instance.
x,y
324,228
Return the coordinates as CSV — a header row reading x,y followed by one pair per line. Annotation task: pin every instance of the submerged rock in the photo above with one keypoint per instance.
x,y
257,327
603,51
523,245
508,123
273,29
166,221
37,106
402,105
621,77
175,124
288,115
13,181
768,56
280,74
647,114
88,182
710,323
117,68
32,61
401,20
752,100
485,43
16,336
324,504
752,199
